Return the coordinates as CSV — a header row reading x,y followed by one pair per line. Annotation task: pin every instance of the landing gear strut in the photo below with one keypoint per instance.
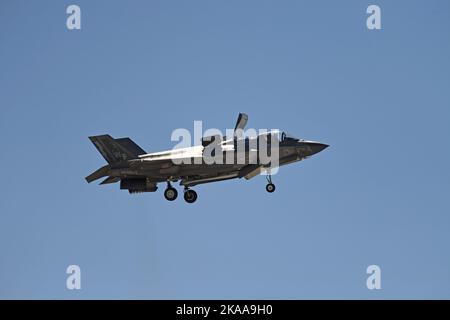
x,y
170,193
270,187
190,195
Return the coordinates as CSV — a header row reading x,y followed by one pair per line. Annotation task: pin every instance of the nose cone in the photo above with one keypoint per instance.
x,y
315,147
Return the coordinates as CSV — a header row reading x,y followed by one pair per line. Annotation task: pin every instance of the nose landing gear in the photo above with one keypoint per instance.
x,y
270,187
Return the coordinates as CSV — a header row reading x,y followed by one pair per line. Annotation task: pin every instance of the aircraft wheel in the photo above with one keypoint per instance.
x,y
170,194
270,187
190,196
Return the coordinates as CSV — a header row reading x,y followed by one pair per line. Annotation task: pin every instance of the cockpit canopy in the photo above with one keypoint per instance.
x,y
280,135
286,136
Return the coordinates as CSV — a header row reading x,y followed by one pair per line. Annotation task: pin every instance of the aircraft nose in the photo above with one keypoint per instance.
x,y
316,147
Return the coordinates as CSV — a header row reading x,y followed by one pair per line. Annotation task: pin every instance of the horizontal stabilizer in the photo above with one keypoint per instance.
x,y
99,173
110,180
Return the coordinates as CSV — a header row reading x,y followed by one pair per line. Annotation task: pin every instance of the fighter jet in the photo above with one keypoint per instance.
x,y
139,171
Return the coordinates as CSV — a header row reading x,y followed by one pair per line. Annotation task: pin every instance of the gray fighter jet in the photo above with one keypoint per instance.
x,y
139,171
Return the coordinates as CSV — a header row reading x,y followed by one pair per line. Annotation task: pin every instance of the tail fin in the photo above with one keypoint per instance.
x,y
129,144
116,151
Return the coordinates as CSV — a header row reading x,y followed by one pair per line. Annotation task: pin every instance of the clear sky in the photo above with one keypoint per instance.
x,y
379,194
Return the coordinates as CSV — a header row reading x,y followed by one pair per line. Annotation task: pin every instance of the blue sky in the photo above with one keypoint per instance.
x,y
379,194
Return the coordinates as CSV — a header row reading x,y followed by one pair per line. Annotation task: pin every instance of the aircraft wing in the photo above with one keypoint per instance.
x,y
250,171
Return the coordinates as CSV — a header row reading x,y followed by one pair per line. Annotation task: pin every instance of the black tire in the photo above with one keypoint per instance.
x,y
170,194
270,187
190,196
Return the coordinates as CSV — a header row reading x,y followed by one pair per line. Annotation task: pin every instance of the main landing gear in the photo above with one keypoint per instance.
x,y
170,193
190,195
270,187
